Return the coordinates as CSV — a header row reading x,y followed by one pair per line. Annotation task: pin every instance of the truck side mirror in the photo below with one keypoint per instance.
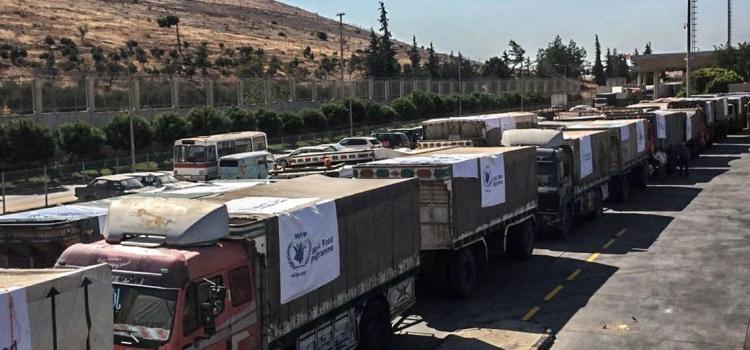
x,y
208,320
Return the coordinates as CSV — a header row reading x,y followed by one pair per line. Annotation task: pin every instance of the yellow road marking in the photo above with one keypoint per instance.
x,y
593,257
574,274
554,292
622,232
609,243
531,313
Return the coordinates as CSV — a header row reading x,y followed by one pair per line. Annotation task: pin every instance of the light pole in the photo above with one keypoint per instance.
x,y
341,66
460,86
131,95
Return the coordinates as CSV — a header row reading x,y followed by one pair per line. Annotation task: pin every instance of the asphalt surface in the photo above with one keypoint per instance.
x,y
57,196
670,269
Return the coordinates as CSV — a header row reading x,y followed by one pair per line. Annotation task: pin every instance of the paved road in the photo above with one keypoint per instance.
x,y
668,270
63,195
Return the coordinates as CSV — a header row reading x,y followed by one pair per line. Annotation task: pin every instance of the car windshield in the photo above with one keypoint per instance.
x,y
166,179
190,154
131,183
143,315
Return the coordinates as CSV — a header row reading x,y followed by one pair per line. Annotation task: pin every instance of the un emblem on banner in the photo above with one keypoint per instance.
x,y
487,176
299,250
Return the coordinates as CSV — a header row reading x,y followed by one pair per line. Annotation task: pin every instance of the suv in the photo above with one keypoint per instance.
x,y
414,134
109,186
393,139
360,143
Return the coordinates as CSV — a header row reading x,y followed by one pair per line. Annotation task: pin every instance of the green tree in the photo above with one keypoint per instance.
x,y
373,62
734,58
269,122
495,67
336,114
380,114
713,80
609,68
293,123
170,127
647,50
314,119
598,69
118,132
80,139
207,121
386,50
167,22
26,142
433,63
241,119
558,59
516,57
414,57
405,108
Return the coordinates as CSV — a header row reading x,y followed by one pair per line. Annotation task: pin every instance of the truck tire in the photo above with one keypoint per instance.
x,y
621,189
640,176
521,240
598,205
375,331
462,272
566,223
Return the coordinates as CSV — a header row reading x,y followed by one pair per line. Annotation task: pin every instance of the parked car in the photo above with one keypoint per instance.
x,y
156,179
248,165
360,143
109,186
414,134
283,160
393,139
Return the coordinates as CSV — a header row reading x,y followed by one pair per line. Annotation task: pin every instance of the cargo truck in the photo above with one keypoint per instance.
x,y
308,263
572,174
56,309
628,158
480,130
472,201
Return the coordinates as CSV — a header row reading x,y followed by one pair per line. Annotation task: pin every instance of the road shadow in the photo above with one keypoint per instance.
x,y
642,230
660,197
713,161
506,290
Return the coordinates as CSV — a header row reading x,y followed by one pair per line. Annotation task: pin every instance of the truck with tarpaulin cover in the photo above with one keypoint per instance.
x,y
42,309
36,238
308,263
709,107
572,174
472,200
479,130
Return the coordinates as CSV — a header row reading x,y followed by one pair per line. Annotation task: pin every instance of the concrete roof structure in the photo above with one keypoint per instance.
x,y
670,61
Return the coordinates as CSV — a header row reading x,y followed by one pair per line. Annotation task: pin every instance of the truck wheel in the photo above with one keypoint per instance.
x,y
521,240
566,223
462,272
375,329
640,176
621,191
598,205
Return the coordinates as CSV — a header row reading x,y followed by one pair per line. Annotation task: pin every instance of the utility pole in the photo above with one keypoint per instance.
x,y
460,86
341,66
130,115
729,23
689,31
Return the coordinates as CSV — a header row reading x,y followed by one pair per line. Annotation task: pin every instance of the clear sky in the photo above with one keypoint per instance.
x,y
482,28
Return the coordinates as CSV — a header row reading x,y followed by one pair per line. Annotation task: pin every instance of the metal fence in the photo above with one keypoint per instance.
x,y
91,94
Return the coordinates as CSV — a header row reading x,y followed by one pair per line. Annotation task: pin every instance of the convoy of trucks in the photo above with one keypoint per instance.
x,y
317,262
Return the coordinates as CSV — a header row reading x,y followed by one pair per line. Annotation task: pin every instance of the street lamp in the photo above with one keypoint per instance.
x,y
341,66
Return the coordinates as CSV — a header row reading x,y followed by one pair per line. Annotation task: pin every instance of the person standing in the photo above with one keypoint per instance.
x,y
683,159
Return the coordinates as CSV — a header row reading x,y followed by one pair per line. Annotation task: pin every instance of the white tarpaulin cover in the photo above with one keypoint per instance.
x,y
493,179
641,130
65,212
688,128
308,249
15,331
661,127
464,165
587,159
265,205
624,133
507,123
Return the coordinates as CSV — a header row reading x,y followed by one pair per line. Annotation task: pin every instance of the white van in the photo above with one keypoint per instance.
x,y
249,165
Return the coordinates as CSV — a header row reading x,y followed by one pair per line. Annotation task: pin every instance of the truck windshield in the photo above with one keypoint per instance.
x,y
190,154
143,315
547,175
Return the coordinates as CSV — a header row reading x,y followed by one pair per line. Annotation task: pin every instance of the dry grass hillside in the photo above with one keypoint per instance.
x,y
277,28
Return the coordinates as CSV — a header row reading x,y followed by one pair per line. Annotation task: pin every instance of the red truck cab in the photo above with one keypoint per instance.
x,y
160,294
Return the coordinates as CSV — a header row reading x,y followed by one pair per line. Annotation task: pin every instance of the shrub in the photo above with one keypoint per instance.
x,y
118,132
269,122
207,121
405,108
80,139
451,104
380,114
314,119
423,102
359,111
485,102
170,127
293,123
26,142
438,103
241,119
707,80
323,36
469,103
336,114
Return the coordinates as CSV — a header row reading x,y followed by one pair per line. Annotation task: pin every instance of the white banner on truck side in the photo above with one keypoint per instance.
x,y
507,123
661,127
308,249
493,179
688,128
624,133
15,330
641,130
587,158
464,165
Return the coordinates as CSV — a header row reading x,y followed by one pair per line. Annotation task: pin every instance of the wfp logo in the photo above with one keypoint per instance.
x,y
299,250
487,176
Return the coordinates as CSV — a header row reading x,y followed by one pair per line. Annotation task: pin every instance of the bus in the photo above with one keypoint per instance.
x,y
196,158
